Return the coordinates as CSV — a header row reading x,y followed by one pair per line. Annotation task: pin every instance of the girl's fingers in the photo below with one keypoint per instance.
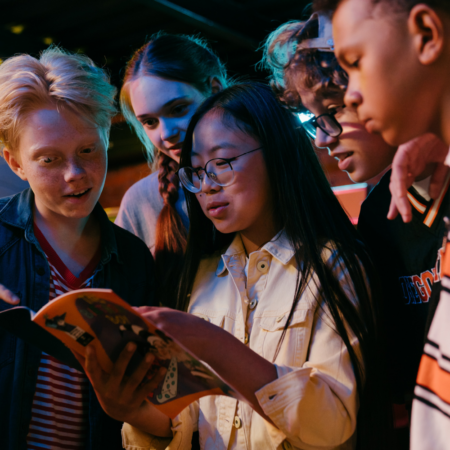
x,y
393,211
401,180
93,370
404,208
150,385
438,180
138,376
8,296
81,359
143,309
399,201
120,366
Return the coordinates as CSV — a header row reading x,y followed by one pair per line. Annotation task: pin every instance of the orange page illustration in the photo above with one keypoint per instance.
x,y
101,318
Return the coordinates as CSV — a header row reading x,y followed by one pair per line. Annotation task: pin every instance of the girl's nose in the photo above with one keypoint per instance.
x,y
168,130
209,185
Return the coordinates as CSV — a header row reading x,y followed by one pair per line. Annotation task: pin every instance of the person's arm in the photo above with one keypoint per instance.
x,y
312,404
242,369
411,159
123,398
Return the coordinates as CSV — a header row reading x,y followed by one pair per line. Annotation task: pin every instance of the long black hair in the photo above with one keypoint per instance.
x,y
312,218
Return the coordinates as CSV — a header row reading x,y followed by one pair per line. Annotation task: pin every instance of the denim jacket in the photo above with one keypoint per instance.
x,y
126,267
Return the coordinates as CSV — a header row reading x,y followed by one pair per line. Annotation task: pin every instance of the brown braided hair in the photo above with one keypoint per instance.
x,y
171,234
180,58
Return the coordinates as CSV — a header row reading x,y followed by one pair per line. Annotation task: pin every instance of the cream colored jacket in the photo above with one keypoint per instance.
x,y
313,403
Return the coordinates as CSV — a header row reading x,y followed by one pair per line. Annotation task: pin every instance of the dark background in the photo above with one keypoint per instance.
x,y
109,31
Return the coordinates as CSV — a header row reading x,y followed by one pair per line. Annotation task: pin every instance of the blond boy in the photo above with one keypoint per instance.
x,y
55,115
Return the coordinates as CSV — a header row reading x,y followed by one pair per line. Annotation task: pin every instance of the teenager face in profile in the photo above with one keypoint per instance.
x,y
390,60
361,154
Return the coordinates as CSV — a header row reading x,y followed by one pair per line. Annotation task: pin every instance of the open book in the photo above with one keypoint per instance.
x,y
99,317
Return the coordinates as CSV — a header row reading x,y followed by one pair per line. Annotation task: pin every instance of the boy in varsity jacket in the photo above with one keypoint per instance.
x,y
55,115
400,92
408,257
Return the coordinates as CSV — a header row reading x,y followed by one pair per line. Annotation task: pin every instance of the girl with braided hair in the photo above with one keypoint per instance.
x,y
165,81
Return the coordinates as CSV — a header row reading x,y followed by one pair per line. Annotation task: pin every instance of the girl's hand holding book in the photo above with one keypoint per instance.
x,y
122,397
242,369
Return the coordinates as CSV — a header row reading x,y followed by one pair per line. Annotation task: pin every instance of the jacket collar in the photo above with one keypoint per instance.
x,y
18,212
428,211
279,247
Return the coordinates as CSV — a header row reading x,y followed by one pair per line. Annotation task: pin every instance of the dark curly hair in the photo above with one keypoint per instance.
x,y
291,67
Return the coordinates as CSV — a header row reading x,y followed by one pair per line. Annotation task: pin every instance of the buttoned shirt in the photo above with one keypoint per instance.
x,y
313,403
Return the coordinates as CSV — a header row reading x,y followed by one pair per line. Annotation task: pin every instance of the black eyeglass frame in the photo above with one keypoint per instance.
x,y
198,169
313,121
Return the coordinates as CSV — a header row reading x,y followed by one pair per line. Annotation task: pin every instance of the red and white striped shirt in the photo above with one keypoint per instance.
x,y
60,406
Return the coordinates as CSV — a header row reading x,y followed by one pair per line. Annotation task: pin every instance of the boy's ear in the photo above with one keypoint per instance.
x,y
216,85
14,162
427,29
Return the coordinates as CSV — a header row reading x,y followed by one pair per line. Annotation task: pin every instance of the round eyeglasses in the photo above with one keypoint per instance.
x,y
326,122
218,170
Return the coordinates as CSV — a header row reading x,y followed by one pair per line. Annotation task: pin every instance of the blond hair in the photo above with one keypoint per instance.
x,y
58,78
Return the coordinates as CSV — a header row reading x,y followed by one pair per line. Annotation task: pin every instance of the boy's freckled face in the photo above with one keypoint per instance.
x,y
374,46
64,159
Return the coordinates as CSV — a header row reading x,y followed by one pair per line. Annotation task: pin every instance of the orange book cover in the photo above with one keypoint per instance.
x,y
101,318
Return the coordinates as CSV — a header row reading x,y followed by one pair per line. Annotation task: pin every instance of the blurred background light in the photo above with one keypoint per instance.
x,y
109,31
17,29
305,116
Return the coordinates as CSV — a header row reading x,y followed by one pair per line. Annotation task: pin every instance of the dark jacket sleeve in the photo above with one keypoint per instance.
x,y
138,266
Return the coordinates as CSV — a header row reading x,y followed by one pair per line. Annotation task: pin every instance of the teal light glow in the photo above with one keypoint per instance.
x,y
305,116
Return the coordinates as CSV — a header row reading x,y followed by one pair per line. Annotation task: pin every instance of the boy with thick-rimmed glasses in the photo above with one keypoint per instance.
x,y
407,255
397,57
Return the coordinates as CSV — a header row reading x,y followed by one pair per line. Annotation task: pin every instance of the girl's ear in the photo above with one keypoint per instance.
x,y
14,163
427,30
216,85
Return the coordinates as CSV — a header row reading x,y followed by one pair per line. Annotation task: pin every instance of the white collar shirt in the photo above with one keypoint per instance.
x,y
313,402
